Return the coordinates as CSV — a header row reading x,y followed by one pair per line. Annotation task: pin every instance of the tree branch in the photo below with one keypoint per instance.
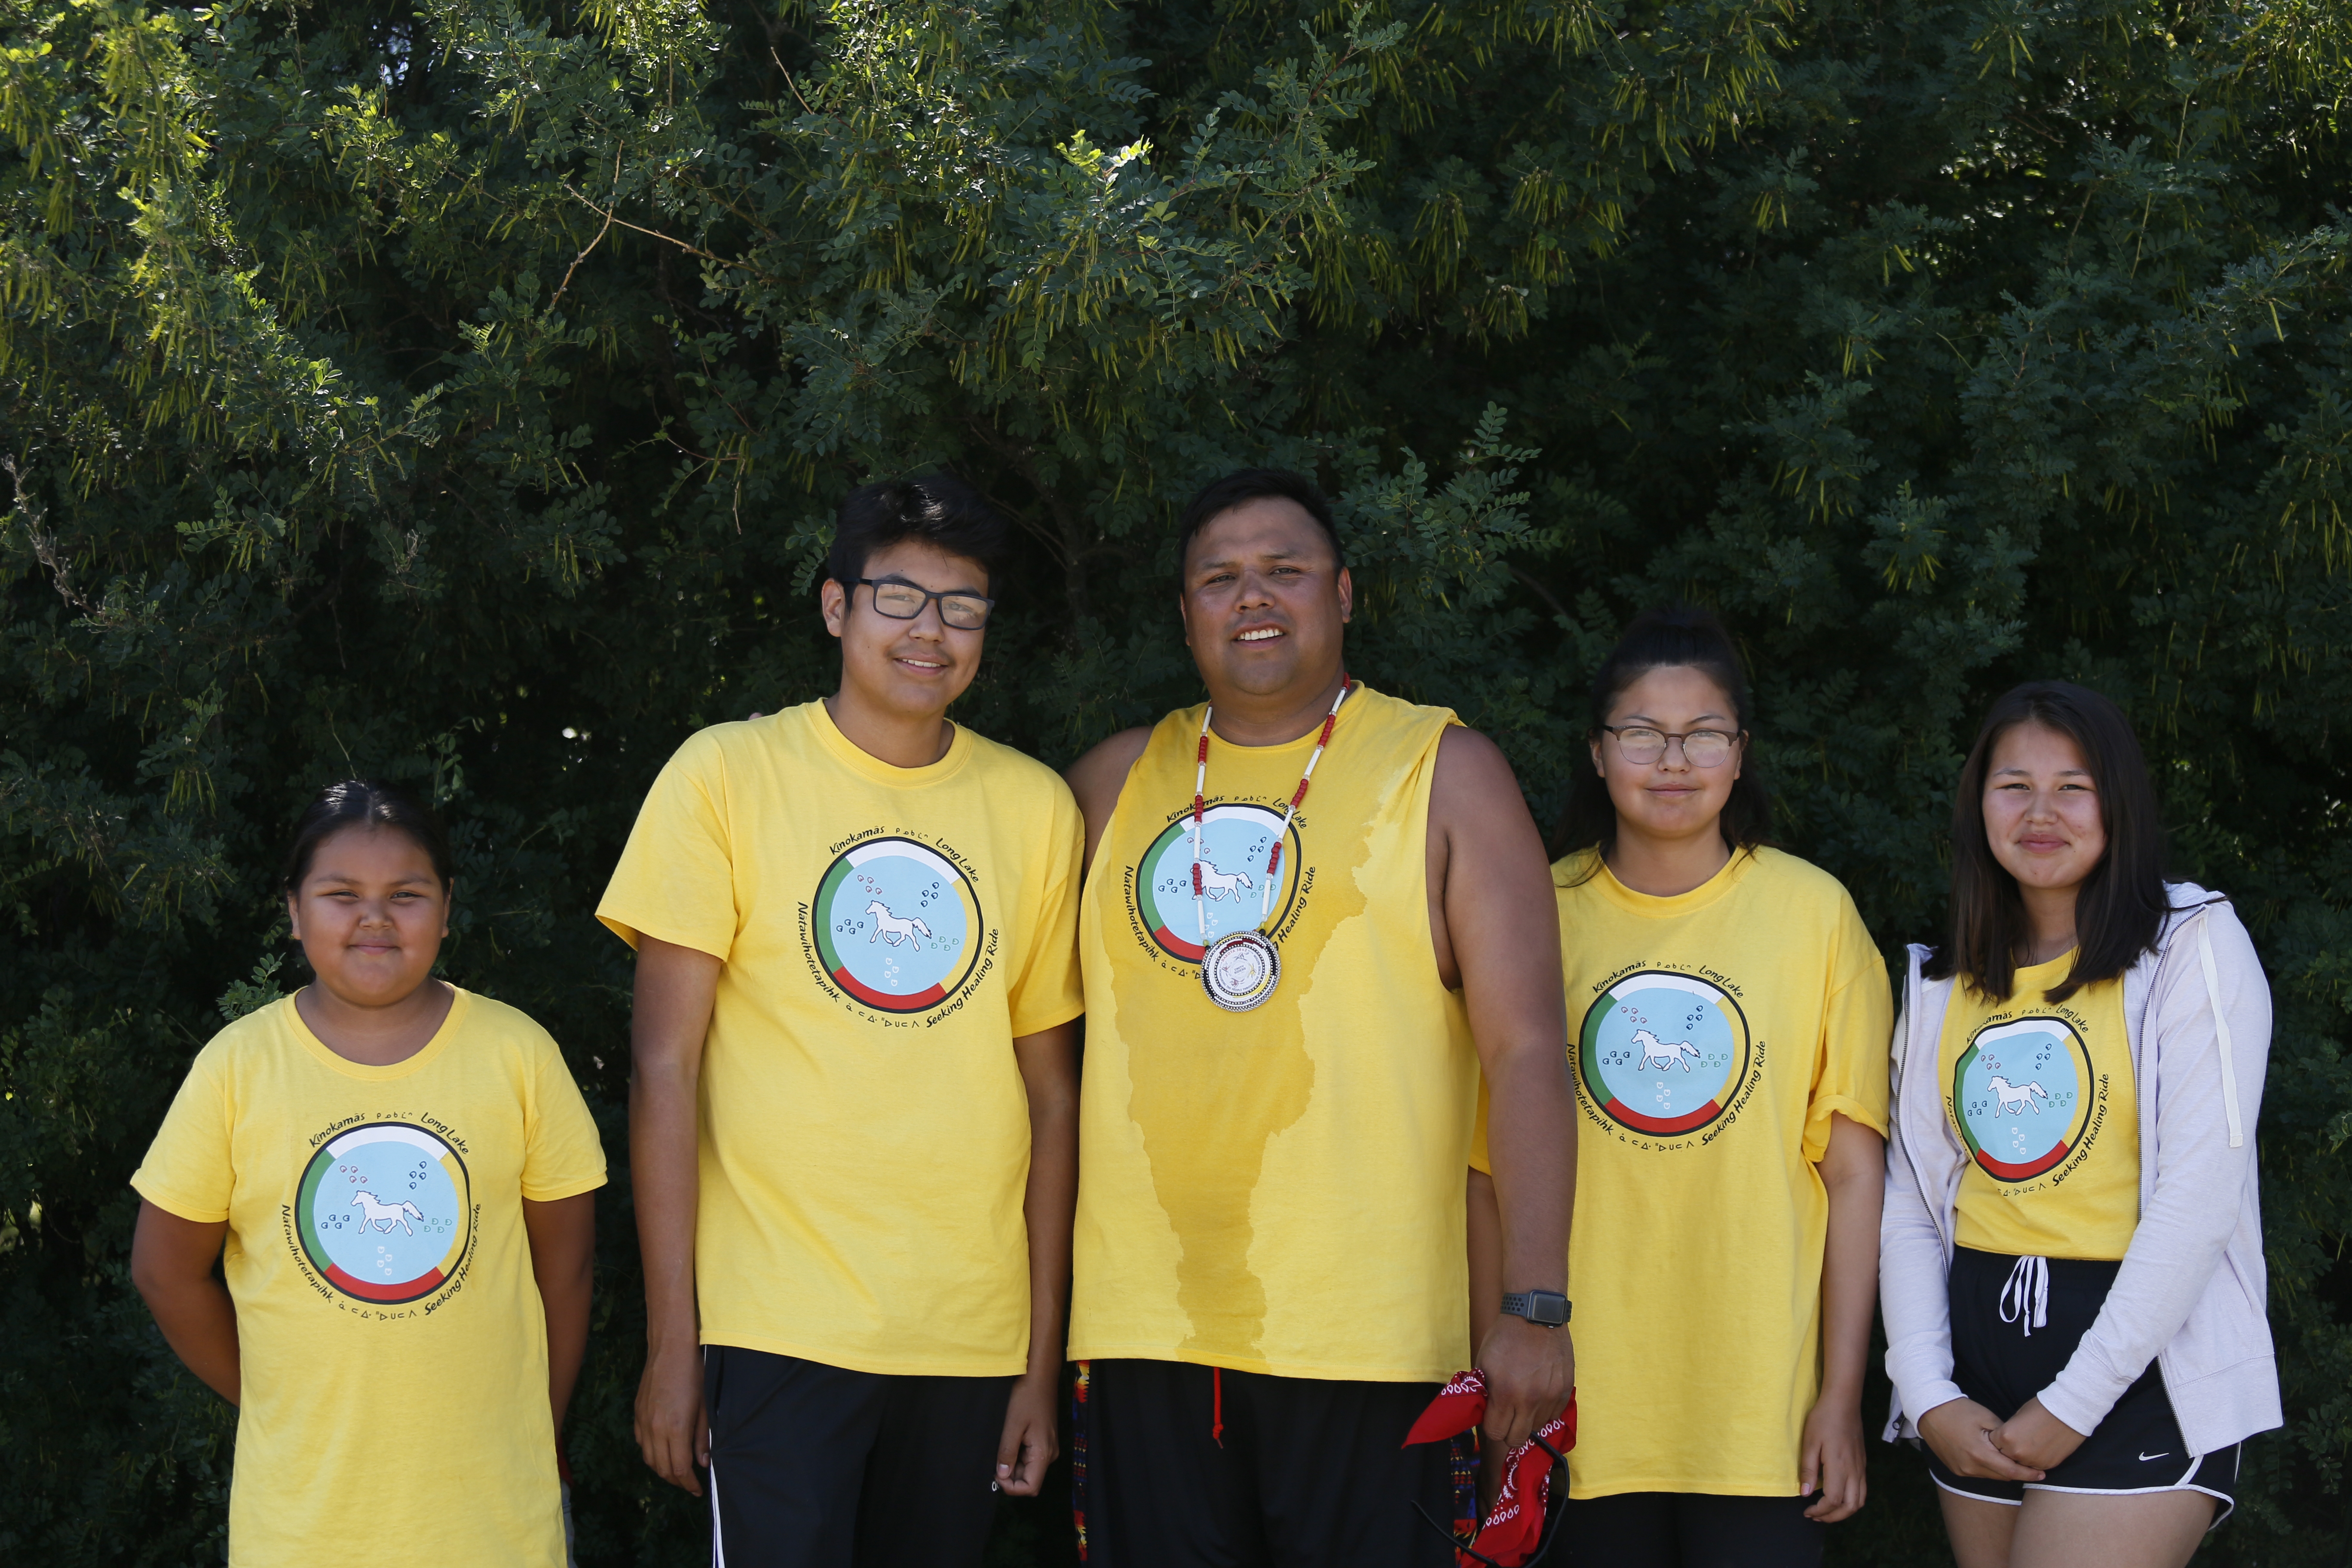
x,y
44,544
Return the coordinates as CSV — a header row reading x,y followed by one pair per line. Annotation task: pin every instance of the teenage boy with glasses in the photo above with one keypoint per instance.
x,y
1315,913
853,1116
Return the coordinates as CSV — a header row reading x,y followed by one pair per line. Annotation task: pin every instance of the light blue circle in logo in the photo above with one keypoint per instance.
x,y
385,1211
1665,1052
2018,1090
897,923
1235,844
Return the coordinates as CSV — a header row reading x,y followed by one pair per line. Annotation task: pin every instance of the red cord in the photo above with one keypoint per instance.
x,y
1217,1405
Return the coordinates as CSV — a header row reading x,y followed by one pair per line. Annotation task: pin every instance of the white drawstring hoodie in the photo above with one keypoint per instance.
x,y
2193,1290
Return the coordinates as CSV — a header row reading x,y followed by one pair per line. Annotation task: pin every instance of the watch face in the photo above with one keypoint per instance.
x,y
1547,1308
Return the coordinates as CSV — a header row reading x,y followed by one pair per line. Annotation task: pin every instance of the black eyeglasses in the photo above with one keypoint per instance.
x,y
1467,1545
904,601
1641,744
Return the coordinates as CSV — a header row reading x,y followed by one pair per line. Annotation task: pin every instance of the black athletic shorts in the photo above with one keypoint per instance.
x,y
818,1467
2015,1324
1690,1529
1177,1466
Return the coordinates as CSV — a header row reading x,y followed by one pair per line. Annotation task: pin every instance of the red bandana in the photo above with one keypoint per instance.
x,y
1510,1535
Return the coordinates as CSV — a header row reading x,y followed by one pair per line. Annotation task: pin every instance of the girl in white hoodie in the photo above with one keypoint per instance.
x,y
2071,1261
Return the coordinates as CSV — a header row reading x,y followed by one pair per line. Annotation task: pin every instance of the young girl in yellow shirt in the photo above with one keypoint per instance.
x,y
1727,1019
2074,1284
398,1176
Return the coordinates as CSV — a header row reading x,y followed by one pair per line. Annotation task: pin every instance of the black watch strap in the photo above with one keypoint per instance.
x,y
1545,1309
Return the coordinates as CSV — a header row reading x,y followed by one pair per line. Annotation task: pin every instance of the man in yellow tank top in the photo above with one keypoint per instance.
x,y
1311,913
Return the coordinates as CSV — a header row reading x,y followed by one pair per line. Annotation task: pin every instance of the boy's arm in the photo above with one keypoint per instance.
x,y
1049,1072
675,989
172,1264
562,1259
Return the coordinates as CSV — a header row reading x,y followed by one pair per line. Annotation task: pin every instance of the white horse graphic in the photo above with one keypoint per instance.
x,y
2016,1098
1663,1053
889,928
1217,884
383,1216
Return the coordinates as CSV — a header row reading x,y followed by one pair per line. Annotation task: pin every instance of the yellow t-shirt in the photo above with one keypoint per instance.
x,y
1279,1190
2042,1095
393,1347
888,934
1713,1035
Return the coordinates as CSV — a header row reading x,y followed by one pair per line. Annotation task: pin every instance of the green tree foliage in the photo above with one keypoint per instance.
x,y
458,392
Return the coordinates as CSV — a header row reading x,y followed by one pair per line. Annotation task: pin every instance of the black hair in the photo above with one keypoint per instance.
x,y
1244,485
938,509
2118,909
364,803
1656,639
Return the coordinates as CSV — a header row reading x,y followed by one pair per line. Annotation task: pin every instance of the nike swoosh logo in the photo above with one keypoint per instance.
x,y
2166,1455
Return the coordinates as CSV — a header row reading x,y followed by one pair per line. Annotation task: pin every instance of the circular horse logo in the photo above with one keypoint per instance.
x,y
2022,1094
1236,841
897,925
1663,1054
384,1212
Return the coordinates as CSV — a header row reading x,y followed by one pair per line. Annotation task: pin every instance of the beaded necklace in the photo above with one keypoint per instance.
x,y
1241,968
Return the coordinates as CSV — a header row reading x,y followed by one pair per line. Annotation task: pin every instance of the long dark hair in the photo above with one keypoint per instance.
x,y
2119,909
364,803
1659,639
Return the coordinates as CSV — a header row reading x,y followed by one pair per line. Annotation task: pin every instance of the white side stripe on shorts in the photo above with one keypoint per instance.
x,y
718,1536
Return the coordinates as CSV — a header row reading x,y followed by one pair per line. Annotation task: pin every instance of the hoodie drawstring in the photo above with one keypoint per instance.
x,y
1217,1405
2025,1299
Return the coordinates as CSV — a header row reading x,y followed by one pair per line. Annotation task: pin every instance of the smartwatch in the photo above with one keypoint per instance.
x,y
1545,1309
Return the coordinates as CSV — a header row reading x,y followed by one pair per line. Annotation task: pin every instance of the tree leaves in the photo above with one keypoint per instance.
x,y
459,392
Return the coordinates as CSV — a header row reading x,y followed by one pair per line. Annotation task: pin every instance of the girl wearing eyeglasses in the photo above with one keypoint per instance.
x,y
1728,1018
2075,1287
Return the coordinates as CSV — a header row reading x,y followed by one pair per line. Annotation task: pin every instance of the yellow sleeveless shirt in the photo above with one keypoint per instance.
x,y
1276,1191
